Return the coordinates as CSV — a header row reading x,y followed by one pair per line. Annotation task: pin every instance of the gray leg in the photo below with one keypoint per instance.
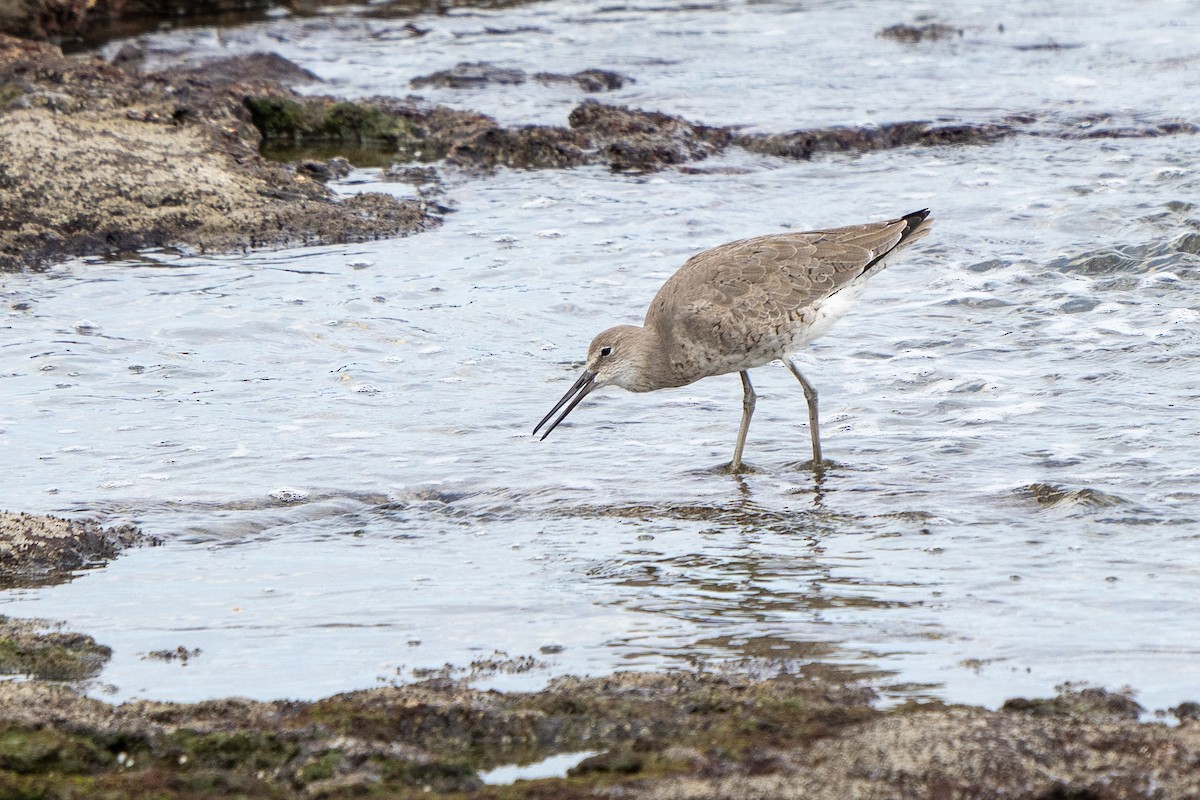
x,y
810,394
748,399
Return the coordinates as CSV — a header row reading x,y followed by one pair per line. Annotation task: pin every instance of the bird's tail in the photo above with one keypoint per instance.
x,y
916,225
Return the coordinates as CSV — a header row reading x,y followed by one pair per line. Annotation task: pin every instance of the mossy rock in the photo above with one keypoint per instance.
x,y
27,648
239,750
439,776
278,117
29,751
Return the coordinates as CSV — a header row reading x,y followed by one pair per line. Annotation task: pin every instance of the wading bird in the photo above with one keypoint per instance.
x,y
741,305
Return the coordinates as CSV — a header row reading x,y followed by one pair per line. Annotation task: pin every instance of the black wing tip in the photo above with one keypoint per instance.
x,y
911,221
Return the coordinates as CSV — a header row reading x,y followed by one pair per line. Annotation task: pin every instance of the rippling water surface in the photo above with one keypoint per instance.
x,y
334,445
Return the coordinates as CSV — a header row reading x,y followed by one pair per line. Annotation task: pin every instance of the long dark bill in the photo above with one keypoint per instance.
x,y
580,390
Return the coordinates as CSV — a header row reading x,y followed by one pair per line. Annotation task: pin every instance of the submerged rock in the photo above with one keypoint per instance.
x,y
39,649
417,176
325,171
589,80
911,34
806,143
467,75
37,549
1049,495
393,9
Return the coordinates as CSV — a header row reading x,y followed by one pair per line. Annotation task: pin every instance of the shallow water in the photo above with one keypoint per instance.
x,y
334,442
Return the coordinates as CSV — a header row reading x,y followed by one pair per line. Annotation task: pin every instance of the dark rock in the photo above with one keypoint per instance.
x,y
483,73
325,171
1051,46
1088,702
530,147
589,80
641,141
418,131
806,143
468,75
621,761
1108,128
90,20
393,9
129,57
41,19
180,654
417,176
1187,712
260,67
283,116
912,34
37,549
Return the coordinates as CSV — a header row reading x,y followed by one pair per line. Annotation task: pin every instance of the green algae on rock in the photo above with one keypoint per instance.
x,y
40,649
405,741
658,735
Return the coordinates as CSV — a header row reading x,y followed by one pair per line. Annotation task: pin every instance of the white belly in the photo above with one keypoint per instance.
x,y
821,319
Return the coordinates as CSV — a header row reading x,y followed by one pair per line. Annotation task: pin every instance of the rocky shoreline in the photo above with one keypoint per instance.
x,y
761,729
100,159
678,735
97,161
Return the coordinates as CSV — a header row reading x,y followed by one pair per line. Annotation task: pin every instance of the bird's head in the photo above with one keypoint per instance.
x,y
616,356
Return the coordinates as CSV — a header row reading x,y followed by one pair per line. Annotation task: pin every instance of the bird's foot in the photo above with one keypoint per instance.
x,y
821,467
742,468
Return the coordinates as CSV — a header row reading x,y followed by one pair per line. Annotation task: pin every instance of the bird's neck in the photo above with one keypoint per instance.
x,y
655,370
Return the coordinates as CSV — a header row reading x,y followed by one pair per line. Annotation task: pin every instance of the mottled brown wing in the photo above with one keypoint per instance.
x,y
743,288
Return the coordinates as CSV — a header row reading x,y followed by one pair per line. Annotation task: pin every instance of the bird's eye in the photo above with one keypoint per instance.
x,y
605,351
